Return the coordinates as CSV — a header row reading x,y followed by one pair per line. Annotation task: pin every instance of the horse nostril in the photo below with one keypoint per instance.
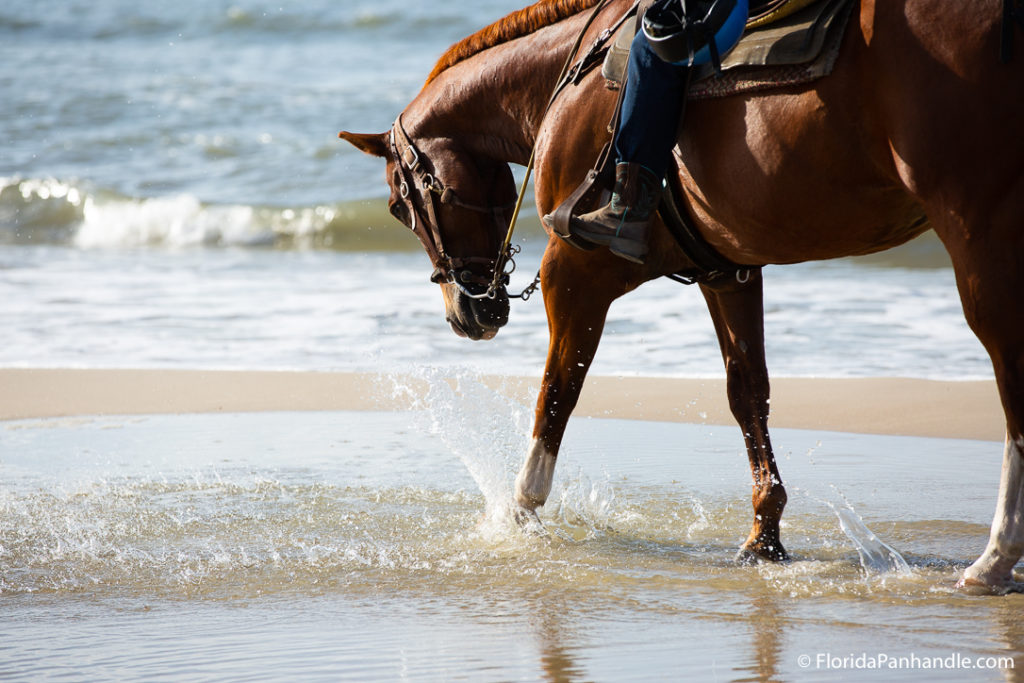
x,y
491,312
500,317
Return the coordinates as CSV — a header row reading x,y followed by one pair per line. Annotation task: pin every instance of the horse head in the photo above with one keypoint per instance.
x,y
458,205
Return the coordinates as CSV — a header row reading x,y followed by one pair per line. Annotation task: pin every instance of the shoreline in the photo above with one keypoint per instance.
x,y
893,406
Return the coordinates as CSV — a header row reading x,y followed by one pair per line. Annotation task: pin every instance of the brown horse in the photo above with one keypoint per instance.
x,y
918,119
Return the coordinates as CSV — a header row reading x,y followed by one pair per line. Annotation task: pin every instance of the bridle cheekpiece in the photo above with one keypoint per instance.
x,y
414,172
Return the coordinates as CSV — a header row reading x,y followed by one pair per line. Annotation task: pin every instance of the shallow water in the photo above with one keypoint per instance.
x,y
378,546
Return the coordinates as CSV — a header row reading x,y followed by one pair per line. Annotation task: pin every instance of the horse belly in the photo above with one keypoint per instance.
x,y
783,178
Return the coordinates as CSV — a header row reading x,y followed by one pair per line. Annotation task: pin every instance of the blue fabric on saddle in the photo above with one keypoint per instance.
x,y
679,38
798,47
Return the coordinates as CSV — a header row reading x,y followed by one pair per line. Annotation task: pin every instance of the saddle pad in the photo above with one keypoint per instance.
x,y
770,11
798,48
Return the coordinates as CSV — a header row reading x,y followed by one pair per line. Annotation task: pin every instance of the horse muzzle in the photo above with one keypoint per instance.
x,y
475,319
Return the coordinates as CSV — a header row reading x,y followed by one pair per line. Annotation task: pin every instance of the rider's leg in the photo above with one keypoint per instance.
x,y
651,107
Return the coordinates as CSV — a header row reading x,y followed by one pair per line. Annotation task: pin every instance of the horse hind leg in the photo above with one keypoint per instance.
x,y
993,571
737,310
1004,339
989,265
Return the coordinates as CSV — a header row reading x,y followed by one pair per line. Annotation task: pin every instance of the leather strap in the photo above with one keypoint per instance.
x,y
415,175
587,194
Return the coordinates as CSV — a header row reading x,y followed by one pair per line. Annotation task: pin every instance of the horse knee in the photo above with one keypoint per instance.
x,y
747,390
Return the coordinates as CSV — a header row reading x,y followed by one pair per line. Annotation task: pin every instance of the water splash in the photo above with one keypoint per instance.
x,y
876,556
487,430
490,434
581,506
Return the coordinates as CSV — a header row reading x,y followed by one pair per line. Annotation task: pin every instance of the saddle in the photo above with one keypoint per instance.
x,y
787,42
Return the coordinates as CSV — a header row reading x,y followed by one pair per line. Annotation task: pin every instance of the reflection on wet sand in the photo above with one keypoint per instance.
x,y
1008,627
553,634
767,628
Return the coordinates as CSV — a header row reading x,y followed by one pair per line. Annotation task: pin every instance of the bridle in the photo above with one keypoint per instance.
x,y
410,161
415,173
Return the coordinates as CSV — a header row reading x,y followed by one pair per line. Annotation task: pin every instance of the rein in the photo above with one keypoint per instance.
x,y
564,78
454,270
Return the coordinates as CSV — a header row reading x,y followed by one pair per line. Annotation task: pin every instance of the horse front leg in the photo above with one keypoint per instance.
x,y
737,309
576,306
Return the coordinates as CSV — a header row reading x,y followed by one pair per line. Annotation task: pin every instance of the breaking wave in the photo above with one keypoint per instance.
x,y
52,211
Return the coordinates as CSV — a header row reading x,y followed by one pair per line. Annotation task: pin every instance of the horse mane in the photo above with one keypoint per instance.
x,y
516,25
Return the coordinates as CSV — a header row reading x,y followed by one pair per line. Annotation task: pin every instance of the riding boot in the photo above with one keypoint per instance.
x,y
623,223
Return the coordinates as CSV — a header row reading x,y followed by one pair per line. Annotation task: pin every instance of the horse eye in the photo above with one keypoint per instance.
x,y
398,210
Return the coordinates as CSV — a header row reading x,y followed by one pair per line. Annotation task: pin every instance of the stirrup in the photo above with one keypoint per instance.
x,y
588,193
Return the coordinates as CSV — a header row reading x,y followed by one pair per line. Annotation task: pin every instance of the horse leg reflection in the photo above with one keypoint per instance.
x,y
737,310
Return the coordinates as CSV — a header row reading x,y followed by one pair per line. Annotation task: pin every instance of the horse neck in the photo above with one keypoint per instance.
x,y
493,102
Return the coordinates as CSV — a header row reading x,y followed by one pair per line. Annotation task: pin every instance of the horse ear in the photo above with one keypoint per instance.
x,y
374,144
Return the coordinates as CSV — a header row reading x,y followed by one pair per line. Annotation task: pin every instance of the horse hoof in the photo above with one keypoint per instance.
x,y
528,521
975,587
751,555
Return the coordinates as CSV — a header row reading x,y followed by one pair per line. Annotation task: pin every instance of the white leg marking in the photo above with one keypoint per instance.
x,y
533,484
1006,542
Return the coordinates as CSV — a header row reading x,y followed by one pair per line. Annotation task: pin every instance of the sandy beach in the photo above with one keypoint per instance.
x,y
895,406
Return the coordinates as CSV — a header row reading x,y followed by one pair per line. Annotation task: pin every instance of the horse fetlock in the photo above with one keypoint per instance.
x,y
763,542
528,500
762,548
769,502
531,491
533,483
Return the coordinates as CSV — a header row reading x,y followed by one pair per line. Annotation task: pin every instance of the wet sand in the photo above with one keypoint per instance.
x,y
895,406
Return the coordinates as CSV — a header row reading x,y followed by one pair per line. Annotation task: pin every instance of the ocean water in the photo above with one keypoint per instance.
x,y
172,193
222,101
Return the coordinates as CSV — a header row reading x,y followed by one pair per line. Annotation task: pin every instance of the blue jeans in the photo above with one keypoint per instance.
x,y
656,93
651,107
